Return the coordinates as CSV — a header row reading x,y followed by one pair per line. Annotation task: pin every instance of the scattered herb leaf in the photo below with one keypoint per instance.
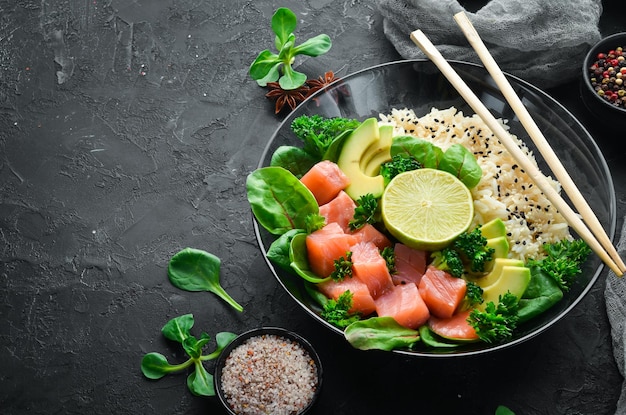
x,y
272,67
197,270
503,410
200,382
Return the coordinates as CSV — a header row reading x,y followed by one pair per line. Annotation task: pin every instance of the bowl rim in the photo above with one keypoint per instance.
x,y
589,58
466,353
258,331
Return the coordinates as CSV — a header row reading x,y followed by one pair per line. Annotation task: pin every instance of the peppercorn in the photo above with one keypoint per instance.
x,y
607,76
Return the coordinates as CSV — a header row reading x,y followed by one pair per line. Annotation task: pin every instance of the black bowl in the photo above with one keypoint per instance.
x,y
254,333
419,85
597,105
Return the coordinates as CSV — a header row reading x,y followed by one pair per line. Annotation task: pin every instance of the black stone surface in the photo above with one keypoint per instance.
x,y
127,129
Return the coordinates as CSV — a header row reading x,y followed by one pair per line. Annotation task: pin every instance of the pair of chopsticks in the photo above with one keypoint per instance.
x,y
600,242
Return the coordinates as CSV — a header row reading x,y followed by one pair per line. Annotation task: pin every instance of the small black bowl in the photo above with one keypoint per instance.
x,y
242,339
598,106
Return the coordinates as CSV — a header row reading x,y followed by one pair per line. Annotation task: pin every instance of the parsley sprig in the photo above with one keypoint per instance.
x,y
337,312
343,267
365,211
563,261
497,322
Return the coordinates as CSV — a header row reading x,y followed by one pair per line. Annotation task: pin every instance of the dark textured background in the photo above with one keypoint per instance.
x,y
127,129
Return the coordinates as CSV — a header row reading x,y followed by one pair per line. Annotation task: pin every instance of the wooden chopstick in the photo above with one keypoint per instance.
x,y
421,40
538,138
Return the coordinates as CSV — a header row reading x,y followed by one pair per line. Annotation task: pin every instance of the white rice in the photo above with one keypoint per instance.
x,y
269,374
505,190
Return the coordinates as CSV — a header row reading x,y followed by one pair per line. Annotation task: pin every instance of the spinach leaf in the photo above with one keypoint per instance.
x,y
279,201
319,298
460,162
456,160
278,251
541,294
425,152
431,339
295,159
196,270
300,261
382,333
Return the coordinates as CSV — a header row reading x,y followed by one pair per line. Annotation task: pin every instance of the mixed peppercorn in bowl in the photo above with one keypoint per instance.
x,y
603,83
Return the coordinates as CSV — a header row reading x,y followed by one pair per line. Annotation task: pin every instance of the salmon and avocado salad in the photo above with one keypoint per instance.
x,y
414,231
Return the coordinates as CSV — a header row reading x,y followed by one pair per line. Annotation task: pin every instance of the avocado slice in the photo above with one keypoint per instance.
x,y
493,229
513,279
378,153
334,149
500,245
496,271
349,160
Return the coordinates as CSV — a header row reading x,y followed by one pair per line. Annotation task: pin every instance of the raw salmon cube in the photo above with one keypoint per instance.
x,y
325,179
339,210
369,233
456,327
326,245
410,264
371,268
362,301
441,292
405,305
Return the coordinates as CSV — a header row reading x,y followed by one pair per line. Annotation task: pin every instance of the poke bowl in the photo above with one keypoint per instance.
x,y
414,98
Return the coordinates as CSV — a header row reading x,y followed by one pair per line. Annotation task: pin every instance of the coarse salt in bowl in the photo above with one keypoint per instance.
x,y
268,370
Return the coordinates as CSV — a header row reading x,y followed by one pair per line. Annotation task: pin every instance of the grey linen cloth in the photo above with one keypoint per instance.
x,y
615,296
543,42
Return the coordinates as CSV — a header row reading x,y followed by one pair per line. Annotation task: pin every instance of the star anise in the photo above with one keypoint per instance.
x,y
290,97
321,82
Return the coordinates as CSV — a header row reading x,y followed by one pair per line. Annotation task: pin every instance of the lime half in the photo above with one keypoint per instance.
x,y
427,208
